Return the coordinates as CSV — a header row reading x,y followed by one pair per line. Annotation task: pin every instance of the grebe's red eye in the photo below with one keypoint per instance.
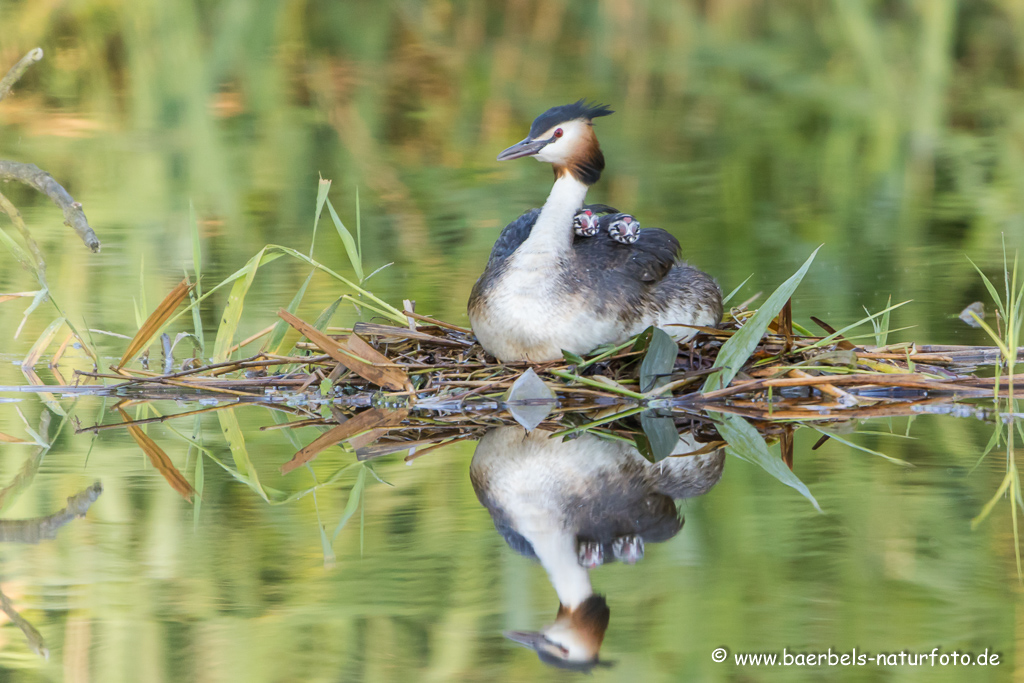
x,y
558,132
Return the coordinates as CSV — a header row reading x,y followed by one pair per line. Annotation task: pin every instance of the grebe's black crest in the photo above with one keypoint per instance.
x,y
580,110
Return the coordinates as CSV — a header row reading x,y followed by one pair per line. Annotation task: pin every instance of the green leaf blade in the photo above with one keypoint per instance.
x,y
660,436
659,360
354,497
232,315
735,352
350,244
322,188
745,442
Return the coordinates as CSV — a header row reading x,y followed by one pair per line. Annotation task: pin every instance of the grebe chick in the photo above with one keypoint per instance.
x,y
628,549
586,222
621,227
543,291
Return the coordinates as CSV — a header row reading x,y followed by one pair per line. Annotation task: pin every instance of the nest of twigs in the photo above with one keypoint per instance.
x,y
384,388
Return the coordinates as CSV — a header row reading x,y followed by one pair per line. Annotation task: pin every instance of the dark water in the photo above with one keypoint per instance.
x,y
889,132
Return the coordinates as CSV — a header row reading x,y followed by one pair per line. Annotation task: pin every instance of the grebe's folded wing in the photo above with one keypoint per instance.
x,y
647,260
514,234
654,254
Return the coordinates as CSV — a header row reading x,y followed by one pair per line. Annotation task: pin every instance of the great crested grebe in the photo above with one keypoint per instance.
x,y
576,505
543,291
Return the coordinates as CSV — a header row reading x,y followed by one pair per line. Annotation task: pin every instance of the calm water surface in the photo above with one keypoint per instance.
x,y
890,134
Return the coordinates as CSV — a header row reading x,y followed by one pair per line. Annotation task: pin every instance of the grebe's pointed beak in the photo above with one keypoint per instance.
x,y
530,639
527,147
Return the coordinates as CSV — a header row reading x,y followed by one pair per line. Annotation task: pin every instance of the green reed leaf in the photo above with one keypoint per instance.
x,y
350,244
746,443
659,360
735,352
659,437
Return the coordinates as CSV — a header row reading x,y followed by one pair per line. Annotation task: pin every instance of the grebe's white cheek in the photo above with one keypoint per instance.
x,y
553,153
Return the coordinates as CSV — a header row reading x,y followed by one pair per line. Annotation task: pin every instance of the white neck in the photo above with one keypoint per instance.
x,y
553,229
556,551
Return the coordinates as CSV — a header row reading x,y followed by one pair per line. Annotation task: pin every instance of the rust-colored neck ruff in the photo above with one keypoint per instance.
x,y
586,163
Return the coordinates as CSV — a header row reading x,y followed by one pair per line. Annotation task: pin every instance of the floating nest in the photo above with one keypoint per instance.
x,y
384,388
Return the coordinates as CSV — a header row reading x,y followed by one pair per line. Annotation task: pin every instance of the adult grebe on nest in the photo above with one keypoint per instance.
x,y
544,290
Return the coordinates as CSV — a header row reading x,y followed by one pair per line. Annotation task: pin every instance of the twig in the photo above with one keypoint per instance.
x,y
829,389
245,342
18,70
31,174
294,425
74,217
906,380
154,420
434,321
35,640
422,452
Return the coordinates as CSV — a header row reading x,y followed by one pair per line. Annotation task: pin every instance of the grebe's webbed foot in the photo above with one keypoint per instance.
x,y
590,554
622,227
628,549
585,223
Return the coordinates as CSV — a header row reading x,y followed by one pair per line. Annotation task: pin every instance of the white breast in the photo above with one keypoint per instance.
x,y
529,317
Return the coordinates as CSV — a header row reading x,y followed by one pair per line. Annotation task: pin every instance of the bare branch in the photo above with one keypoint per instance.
x,y
31,174
18,70
74,217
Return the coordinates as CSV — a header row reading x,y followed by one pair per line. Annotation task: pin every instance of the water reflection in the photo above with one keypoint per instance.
x,y
45,528
575,505
33,531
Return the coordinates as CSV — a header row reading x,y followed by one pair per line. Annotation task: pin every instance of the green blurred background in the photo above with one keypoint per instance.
x,y
891,132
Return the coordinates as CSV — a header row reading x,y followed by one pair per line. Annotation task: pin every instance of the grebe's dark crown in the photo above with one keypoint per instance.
x,y
579,110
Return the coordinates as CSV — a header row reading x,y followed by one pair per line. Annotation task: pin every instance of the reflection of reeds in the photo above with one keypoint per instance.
x,y
1008,341
33,531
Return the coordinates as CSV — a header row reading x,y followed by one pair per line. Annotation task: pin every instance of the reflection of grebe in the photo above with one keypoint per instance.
x,y
542,291
567,503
